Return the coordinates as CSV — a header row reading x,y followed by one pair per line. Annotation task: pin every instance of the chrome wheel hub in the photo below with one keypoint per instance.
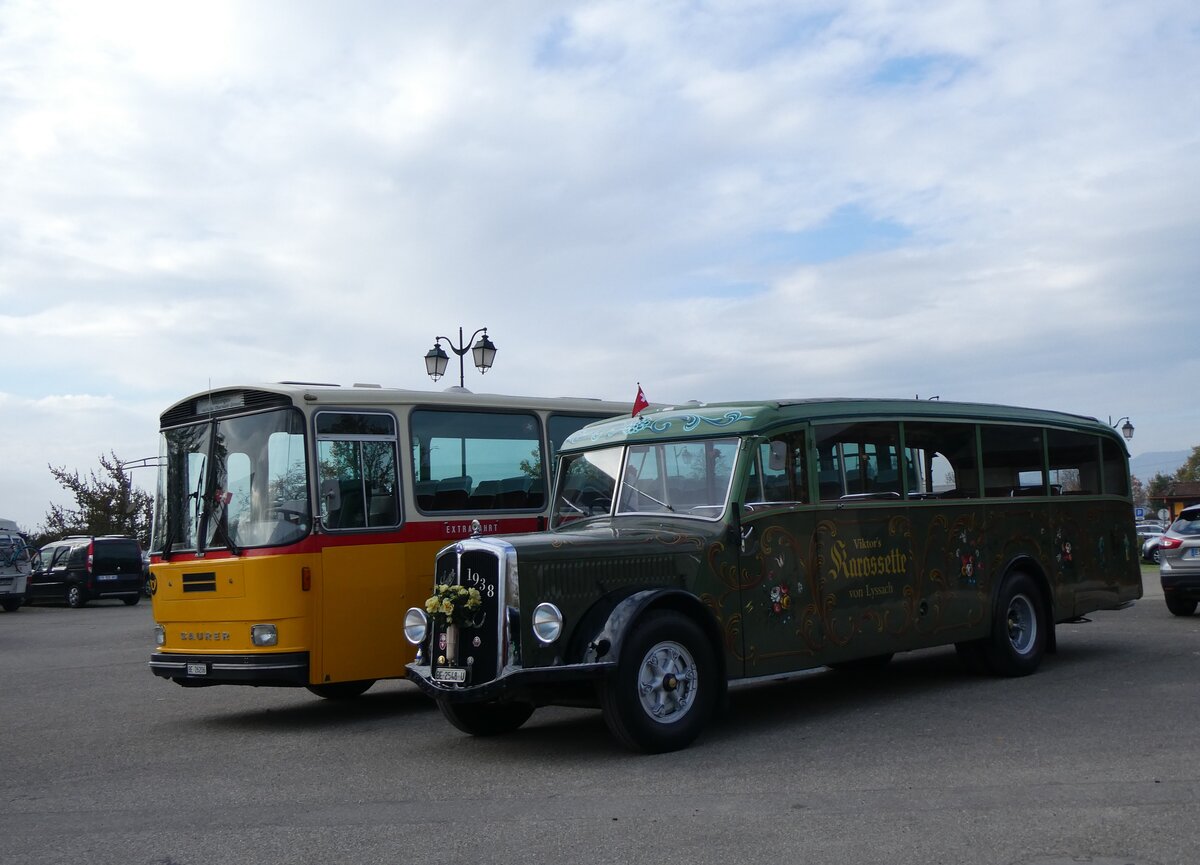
x,y
667,682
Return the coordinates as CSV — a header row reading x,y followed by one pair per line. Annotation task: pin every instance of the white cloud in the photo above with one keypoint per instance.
x,y
620,192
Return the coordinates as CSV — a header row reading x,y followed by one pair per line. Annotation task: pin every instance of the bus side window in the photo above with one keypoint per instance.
x,y
1013,461
1074,462
944,460
357,470
1116,468
778,473
477,461
858,460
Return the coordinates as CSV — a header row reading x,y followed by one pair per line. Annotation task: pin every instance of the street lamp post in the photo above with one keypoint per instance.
x,y
483,353
1126,430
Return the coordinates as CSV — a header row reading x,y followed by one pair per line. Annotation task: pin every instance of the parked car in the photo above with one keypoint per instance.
x,y
1179,562
1150,547
79,569
1148,528
14,569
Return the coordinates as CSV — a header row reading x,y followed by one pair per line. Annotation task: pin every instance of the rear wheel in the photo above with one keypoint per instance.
x,y
486,719
11,605
1181,606
76,597
132,602
342,690
1018,639
665,686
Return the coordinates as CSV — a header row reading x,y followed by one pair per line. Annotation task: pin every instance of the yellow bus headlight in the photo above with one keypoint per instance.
x,y
160,635
264,635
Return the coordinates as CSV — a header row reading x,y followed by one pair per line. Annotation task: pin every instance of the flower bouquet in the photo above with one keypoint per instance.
x,y
451,605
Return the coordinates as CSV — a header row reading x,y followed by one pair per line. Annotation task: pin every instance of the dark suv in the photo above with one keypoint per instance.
x,y
79,569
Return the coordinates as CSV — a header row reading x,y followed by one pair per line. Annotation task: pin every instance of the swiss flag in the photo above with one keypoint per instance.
x,y
639,401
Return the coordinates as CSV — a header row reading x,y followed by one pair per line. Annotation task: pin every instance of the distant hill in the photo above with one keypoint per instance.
x,y
1145,466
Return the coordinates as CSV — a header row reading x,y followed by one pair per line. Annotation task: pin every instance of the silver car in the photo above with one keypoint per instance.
x,y
1179,562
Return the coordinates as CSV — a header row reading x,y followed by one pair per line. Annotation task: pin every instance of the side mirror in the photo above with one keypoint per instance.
x,y
777,461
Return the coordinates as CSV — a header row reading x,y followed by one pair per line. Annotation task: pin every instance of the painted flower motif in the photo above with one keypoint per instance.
x,y
970,569
780,600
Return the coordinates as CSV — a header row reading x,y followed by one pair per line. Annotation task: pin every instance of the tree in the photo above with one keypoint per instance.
x,y
1158,489
1190,470
1138,491
106,504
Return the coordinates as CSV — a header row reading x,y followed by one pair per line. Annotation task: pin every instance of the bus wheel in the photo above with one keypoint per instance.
x,y
75,597
1018,639
664,689
486,719
342,690
1181,606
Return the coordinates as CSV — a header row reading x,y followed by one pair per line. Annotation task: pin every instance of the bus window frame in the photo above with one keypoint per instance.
x,y
319,514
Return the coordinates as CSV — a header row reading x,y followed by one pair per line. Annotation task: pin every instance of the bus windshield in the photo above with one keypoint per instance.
x,y
234,482
689,478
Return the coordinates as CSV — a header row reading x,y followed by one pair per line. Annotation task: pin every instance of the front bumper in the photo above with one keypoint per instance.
x,y
284,668
539,685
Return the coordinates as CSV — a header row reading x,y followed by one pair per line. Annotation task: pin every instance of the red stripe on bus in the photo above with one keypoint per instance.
x,y
446,531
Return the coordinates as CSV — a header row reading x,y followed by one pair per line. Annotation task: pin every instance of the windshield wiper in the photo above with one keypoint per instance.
x,y
640,492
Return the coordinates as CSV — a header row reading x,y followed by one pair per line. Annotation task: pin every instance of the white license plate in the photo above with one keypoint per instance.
x,y
450,674
197,669
103,577
1194,553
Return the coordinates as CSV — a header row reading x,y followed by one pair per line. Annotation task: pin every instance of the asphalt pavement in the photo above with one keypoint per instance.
x,y
1089,760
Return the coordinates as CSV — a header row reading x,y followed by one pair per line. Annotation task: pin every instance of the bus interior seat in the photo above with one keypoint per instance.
x,y
831,485
514,492
383,510
484,496
352,514
453,494
887,481
426,492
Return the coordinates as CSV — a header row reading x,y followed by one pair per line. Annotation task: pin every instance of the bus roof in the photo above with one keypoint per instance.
x,y
239,398
738,418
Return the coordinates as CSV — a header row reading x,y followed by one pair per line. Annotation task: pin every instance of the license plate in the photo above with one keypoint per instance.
x,y
450,674
103,577
197,669
1194,553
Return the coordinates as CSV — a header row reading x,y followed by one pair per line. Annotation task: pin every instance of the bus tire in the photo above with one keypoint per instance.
x,y
1018,640
342,690
486,719
664,689
1180,606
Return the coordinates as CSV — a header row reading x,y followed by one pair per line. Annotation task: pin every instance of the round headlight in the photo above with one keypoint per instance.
x,y
416,625
547,623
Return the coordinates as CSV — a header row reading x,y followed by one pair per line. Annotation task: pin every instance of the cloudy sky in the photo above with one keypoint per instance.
x,y
991,202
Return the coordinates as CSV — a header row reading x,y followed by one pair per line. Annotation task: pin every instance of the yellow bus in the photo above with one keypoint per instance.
x,y
294,523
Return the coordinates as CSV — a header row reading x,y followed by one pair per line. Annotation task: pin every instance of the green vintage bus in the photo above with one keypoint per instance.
x,y
696,546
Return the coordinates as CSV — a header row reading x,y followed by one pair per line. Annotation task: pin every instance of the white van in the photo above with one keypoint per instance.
x,y
14,568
